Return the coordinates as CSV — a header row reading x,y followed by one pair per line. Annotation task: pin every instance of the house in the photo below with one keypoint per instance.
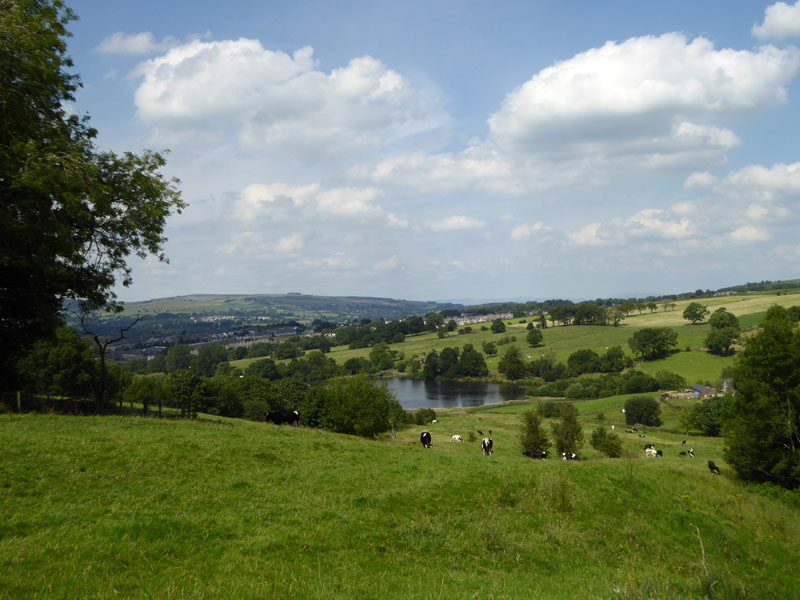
x,y
702,391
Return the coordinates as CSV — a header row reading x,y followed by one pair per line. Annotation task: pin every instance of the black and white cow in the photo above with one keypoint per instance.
x,y
533,454
683,443
282,416
569,456
425,438
712,467
486,446
691,452
456,438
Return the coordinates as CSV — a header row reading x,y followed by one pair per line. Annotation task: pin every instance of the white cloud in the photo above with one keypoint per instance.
x,y
781,21
396,221
588,236
256,199
456,223
134,43
526,230
650,96
349,201
276,101
290,244
748,233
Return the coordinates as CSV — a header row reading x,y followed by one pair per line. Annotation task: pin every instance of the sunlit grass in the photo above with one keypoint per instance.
x,y
146,508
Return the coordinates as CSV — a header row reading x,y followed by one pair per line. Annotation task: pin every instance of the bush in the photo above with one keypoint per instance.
x,y
667,380
421,416
357,406
567,432
549,409
575,391
532,437
609,444
643,410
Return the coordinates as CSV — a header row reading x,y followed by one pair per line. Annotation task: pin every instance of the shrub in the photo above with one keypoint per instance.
x,y
549,409
532,437
609,444
567,432
643,410
575,391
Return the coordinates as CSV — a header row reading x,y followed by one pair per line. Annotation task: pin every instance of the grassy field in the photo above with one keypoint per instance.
x,y
144,508
694,363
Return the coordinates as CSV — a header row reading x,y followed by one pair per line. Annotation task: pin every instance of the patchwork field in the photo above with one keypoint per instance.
x,y
693,362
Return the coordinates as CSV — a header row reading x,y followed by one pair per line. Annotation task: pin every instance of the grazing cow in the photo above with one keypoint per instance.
x,y
641,435
683,443
691,452
712,467
486,446
533,454
480,432
650,453
682,453
456,438
425,438
659,453
569,456
612,428
434,421
284,415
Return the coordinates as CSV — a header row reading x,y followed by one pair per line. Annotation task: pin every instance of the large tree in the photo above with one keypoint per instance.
x,y
71,215
695,312
762,428
653,342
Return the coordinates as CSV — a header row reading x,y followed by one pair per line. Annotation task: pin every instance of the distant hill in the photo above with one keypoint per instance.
x,y
297,307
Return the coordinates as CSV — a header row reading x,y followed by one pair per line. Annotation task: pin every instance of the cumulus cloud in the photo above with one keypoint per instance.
x,y
349,201
290,244
645,96
257,199
456,223
134,43
748,233
526,230
273,100
781,21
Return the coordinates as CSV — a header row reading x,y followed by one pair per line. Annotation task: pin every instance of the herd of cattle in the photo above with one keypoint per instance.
x,y
650,450
292,417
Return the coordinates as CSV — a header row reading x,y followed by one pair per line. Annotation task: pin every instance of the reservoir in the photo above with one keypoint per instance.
x,y
450,394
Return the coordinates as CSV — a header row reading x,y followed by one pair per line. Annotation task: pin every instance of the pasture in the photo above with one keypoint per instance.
x,y
101,507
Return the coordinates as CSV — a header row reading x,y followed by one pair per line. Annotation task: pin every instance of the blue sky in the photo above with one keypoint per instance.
x,y
457,150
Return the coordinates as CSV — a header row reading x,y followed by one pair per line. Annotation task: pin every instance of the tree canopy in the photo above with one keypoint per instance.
x,y
762,425
653,342
695,312
71,215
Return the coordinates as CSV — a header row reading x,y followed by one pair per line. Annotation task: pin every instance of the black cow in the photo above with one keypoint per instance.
x,y
533,454
646,446
659,453
480,432
284,415
486,446
682,453
712,467
425,438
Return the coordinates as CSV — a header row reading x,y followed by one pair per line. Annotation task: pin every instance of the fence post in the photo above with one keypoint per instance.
x,y
19,401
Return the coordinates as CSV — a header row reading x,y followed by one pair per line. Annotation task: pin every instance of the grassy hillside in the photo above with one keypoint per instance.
x,y
141,508
694,363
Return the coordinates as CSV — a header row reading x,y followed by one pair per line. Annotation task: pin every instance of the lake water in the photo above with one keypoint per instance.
x,y
450,394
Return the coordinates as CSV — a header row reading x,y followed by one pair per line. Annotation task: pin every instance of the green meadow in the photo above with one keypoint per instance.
x,y
105,507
